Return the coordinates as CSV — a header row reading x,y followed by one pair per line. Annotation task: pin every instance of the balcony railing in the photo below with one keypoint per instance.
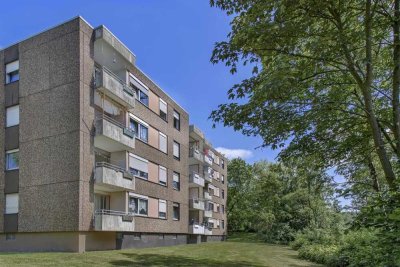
x,y
208,213
111,220
207,196
196,228
207,230
208,159
115,88
112,135
195,153
195,180
112,178
196,204
208,174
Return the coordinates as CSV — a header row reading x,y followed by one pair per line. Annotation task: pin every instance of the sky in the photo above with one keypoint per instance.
x,y
172,40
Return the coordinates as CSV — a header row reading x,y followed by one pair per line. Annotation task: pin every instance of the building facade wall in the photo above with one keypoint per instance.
x,y
57,158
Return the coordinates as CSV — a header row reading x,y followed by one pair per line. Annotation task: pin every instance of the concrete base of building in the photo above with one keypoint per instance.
x,y
212,238
57,241
92,241
145,240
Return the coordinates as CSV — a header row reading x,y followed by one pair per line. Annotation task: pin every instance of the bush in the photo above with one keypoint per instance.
x,y
361,248
324,254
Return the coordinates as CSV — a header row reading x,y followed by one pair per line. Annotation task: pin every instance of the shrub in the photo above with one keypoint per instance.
x,y
324,254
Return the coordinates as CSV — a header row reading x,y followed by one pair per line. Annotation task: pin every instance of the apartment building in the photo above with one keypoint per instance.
x,y
207,189
96,155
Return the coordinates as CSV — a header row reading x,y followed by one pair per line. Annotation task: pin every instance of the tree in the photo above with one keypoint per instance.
x,y
326,79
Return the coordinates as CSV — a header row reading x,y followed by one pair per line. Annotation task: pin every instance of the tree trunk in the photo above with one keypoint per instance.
x,y
374,176
396,76
366,91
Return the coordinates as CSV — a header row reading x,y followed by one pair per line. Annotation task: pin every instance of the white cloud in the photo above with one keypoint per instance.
x,y
235,153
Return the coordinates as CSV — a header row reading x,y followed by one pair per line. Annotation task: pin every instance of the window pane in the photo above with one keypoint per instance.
x,y
12,116
176,211
133,125
12,201
176,150
162,175
144,98
177,120
144,133
133,205
12,160
176,181
142,206
163,143
12,72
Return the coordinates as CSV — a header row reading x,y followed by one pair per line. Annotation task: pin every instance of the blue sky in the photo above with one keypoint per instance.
x,y
172,40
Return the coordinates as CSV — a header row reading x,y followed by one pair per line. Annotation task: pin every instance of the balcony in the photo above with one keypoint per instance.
x,y
195,180
112,86
196,133
208,159
110,220
112,135
196,229
207,230
208,174
208,213
111,178
196,154
207,196
196,204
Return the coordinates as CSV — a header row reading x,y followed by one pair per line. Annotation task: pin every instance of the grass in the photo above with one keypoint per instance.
x,y
240,250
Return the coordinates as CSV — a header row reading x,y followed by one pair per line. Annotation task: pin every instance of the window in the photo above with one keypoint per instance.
x,y
162,209
12,116
177,150
12,160
141,129
139,167
223,193
223,164
222,178
12,72
176,181
222,209
163,109
102,202
10,236
162,175
162,142
177,212
177,120
138,205
12,203
222,224
137,236
142,91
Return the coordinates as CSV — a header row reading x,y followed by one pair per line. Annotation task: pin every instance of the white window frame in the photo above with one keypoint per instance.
x,y
12,116
160,180
160,136
10,68
178,156
175,174
7,155
12,208
162,202
163,104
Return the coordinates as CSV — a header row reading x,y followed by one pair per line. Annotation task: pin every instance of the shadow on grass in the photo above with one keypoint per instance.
x,y
173,260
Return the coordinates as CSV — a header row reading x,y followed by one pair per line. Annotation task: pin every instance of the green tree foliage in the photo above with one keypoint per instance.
x,y
326,79
277,199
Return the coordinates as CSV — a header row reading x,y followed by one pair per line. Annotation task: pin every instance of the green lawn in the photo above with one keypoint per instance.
x,y
238,251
